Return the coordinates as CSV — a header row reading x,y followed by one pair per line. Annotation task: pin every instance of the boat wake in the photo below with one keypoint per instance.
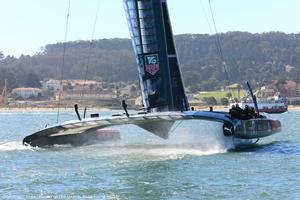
x,y
187,140
14,146
146,153
179,151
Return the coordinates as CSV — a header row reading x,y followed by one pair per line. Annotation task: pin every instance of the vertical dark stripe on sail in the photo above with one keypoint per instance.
x,y
152,39
178,93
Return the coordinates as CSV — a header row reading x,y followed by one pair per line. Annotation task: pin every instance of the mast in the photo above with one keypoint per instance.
x,y
152,39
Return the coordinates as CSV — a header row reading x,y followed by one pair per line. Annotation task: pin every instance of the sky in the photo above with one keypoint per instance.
x,y
28,25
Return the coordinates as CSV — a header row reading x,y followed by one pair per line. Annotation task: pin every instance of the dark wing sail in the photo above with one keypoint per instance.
x,y
152,38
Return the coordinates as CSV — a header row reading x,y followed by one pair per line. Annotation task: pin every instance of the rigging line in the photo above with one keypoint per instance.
x,y
219,47
210,29
63,61
89,53
206,18
216,32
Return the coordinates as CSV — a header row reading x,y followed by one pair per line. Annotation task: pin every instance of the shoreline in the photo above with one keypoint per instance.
x,y
226,108
67,109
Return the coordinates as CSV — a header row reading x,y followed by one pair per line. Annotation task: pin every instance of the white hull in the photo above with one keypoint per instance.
x,y
267,107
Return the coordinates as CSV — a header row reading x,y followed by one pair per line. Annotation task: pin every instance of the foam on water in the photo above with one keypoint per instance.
x,y
14,145
181,151
138,153
180,144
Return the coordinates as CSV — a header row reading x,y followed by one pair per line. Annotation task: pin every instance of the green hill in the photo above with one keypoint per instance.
x,y
258,58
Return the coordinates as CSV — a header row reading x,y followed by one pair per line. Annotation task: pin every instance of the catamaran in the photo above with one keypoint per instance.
x,y
162,91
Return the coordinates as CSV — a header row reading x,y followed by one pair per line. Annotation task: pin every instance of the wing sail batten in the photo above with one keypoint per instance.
x,y
152,39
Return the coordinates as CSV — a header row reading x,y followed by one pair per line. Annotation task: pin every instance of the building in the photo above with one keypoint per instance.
x,y
289,68
27,93
50,85
129,90
266,92
287,89
88,95
290,88
55,85
138,101
82,84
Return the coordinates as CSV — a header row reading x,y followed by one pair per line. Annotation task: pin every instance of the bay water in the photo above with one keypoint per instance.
x,y
196,162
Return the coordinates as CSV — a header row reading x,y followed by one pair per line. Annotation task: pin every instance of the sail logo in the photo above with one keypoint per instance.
x,y
151,62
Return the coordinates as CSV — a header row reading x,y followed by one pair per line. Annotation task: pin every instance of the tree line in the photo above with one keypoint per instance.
x,y
258,58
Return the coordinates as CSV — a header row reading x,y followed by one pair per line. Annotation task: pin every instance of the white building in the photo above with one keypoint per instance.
x,y
51,84
27,93
128,90
55,85
88,95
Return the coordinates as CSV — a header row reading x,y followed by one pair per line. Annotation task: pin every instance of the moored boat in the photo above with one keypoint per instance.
x,y
270,106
